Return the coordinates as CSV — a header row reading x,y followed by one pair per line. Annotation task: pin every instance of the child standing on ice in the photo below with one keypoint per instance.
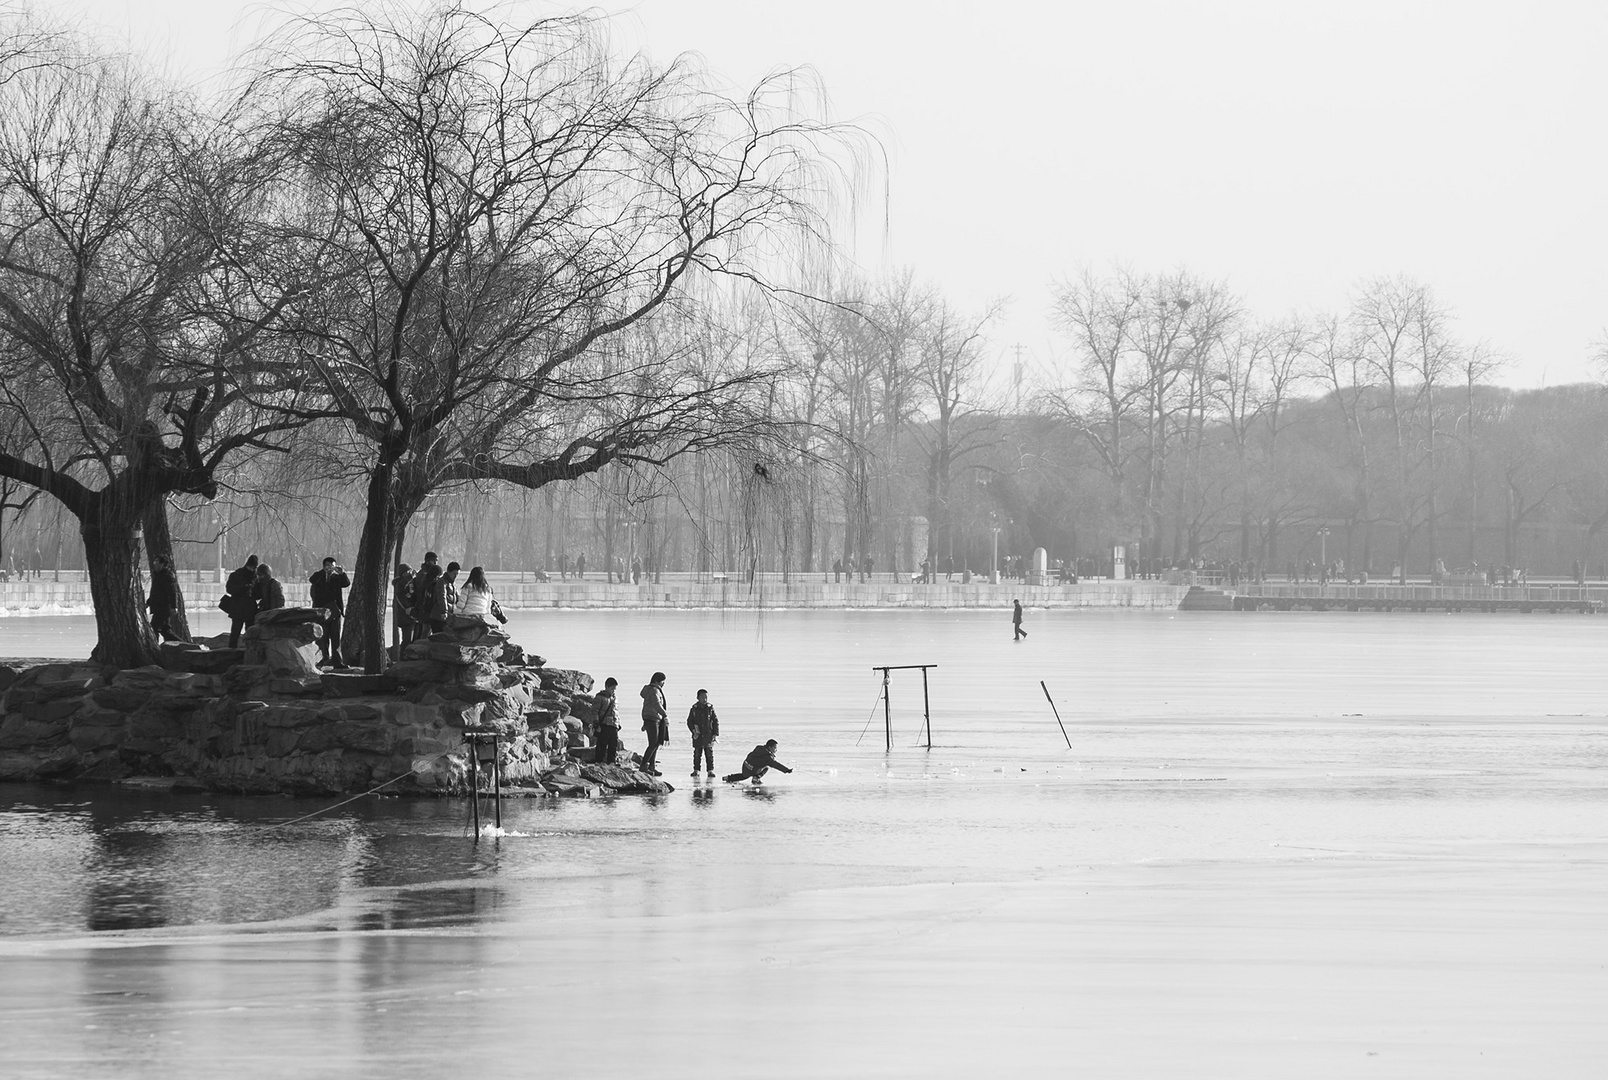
x,y
705,728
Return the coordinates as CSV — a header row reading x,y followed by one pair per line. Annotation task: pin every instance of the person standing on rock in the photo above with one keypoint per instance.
x,y
705,728
608,723
1016,620
242,598
164,598
760,760
268,592
424,585
327,590
655,721
443,598
402,606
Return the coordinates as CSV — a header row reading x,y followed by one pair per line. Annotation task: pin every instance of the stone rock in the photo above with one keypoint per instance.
x,y
50,712
569,786
150,677
120,698
584,708
296,685
290,616
301,633
244,679
288,658
62,681
625,781
350,685
458,692
209,661
419,671
566,681
513,655
446,652
541,718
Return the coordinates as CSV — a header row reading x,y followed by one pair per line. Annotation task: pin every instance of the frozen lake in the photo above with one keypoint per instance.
x,y
1280,845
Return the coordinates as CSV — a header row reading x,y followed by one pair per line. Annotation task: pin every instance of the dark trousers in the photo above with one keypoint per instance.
x,y
608,744
236,624
703,752
162,623
650,759
329,646
739,777
1019,631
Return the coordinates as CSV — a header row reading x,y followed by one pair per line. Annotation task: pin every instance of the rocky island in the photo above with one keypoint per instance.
x,y
264,719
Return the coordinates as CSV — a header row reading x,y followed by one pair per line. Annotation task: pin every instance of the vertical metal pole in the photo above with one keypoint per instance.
x,y
474,783
926,707
887,714
496,773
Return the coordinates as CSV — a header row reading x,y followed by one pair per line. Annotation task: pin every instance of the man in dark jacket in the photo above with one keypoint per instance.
x,y
608,723
705,728
164,599
268,592
328,591
760,760
242,598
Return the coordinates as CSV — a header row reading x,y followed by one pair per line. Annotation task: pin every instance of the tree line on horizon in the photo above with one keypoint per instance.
x,y
439,279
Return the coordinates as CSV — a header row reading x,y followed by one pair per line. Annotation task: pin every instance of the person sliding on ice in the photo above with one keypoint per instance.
x,y
1016,618
655,721
705,728
758,762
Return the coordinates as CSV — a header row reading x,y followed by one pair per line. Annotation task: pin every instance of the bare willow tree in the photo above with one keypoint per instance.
x,y
490,204
120,374
951,367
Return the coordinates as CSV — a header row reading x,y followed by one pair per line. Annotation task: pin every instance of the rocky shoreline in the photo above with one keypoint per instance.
x,y
262,719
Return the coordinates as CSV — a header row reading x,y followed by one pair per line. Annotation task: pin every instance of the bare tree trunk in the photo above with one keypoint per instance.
x,y
124,637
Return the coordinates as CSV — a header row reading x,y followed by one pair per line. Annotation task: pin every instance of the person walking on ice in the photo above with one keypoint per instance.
x,y
1016,619
705,728
760,760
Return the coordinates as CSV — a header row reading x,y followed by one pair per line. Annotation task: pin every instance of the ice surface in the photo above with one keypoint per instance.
x,y
1281,845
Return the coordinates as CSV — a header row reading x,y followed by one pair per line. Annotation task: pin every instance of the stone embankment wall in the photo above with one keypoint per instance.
x,y
263,718
809,591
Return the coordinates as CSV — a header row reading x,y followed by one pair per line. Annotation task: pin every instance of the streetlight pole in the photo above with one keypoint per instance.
x,y
1323,545
993,566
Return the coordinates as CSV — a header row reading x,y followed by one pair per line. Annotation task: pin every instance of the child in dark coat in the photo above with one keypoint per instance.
x,y
705,728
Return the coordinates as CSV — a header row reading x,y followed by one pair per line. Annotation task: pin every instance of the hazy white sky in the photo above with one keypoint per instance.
x,y
1293,147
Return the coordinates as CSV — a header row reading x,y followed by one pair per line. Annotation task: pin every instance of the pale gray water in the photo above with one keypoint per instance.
x,y
1314,845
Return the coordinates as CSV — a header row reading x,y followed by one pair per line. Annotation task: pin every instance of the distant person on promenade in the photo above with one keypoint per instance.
x,y
1016,620
326,588
655,721
608,723
164,598
241,595
269,593
760,760
705,728
580,567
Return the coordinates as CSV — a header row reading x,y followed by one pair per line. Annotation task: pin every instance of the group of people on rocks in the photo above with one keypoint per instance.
x,y
424,599
703,724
